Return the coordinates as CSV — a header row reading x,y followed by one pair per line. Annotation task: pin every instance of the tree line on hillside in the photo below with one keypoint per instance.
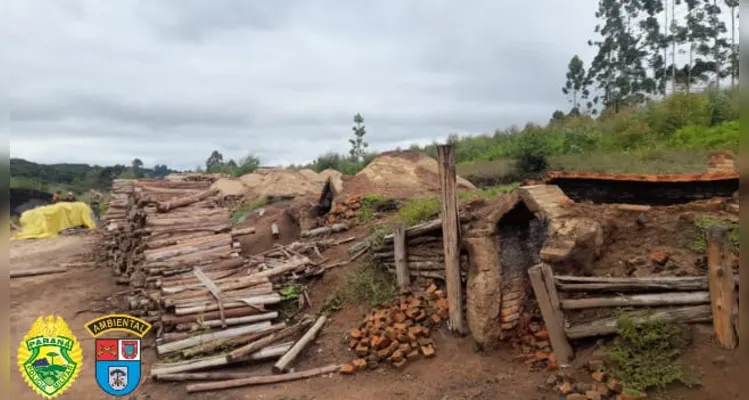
x,y
638,42
77,177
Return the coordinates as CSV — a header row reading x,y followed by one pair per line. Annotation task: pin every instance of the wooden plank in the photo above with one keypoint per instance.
x,y
655,299
451,237
720,281
542,280
401,257
608,326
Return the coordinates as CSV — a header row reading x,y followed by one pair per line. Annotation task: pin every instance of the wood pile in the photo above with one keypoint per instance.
x,y
173,242
398,334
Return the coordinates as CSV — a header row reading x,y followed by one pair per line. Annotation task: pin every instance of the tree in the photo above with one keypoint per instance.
x,y
577,82
357,143
214,162
52,355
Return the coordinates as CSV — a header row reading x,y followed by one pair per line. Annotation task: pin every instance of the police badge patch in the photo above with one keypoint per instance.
x,y
118,365
117,359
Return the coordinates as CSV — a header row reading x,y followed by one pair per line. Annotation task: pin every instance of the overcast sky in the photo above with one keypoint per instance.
x,y
168,81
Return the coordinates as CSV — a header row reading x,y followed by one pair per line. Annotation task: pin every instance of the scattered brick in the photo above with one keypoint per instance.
x,y
360,364
347,369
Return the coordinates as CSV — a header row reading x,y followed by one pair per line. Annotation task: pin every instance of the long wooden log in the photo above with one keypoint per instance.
x,y
579,283
655,299
283,364
720,281
260,380
207,337
274,298
193,246
161,370
186,201
290,266
335,228
216,346
37,271
217,323
608,326
170,319
250,348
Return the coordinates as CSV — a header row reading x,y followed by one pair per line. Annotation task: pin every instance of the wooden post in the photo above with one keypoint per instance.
x,y
720,282
401,256
451,237
542,279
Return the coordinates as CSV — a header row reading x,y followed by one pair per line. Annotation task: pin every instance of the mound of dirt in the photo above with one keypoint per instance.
x,y
230,187
281,183
400,174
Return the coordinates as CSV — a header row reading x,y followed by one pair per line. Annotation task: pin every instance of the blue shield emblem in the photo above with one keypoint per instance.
x,y
118,365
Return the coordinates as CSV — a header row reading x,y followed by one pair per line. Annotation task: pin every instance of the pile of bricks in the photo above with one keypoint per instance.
x,y
532,342
603,387
346,210
398,334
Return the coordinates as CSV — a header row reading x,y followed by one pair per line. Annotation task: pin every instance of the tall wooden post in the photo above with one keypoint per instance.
x,y
401,256
451,237
720,282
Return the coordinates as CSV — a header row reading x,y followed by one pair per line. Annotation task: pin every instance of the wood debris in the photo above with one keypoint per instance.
x,y
174,243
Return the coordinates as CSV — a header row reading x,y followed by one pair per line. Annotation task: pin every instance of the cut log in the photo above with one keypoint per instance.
x,y
401,256
250,348
451,237
608,326
242,231
720,281
37,271
283,364
185,201
579,283
290,266
656,299
335,228
211,315
274,298
161,369
207,337
261,380
217,323
542,280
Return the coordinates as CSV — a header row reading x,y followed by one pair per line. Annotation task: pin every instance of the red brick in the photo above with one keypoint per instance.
x,y
360,363
347,369
427,351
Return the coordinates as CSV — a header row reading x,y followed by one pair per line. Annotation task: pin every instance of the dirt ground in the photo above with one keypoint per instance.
x,y
457,372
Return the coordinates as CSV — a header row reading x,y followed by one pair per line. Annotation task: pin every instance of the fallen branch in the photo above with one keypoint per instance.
x,y
37,271
261,380
283,364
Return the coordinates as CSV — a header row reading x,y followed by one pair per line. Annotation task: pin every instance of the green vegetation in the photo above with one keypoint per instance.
x,y
698,243
243,210
363,285
645,354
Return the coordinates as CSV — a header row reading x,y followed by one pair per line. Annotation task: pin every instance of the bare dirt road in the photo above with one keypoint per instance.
x,y
458,372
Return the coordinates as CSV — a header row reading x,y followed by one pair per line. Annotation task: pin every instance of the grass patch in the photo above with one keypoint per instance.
x,y
418,210
644,355
242,211
364,285
369,205
489,192
702,223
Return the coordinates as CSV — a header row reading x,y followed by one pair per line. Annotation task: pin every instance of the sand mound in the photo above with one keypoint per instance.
x,y
280,183
230,187
400,174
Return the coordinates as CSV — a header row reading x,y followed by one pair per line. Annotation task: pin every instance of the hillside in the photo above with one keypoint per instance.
x,y
75,177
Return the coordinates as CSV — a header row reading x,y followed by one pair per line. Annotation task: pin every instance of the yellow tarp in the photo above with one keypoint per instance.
x,y
49,221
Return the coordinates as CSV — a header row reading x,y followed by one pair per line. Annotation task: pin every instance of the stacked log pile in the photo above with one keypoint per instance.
x,y
398,334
